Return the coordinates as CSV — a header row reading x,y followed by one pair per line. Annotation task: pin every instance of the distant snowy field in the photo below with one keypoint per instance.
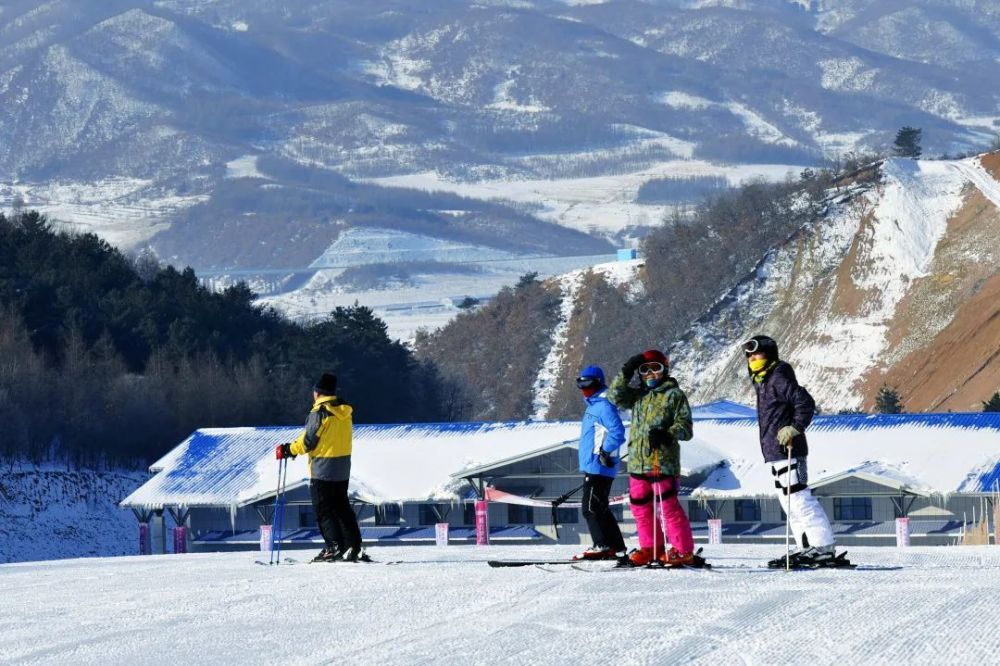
x,y
445,606
594,204
424,300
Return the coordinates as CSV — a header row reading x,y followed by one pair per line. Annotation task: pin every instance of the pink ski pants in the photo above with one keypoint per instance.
x,y
672,516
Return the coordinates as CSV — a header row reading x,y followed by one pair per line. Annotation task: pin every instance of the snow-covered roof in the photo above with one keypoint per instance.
x,y
919,453
723,409
227,467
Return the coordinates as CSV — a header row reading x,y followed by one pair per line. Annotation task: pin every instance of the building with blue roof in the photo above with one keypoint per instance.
x,y
938,470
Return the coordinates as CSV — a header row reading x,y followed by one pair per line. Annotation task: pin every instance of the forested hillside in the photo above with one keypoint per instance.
x,y
689,262
103,357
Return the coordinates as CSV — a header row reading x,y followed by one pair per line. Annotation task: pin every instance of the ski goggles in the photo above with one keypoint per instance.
x,y
587,382
751,347
651,368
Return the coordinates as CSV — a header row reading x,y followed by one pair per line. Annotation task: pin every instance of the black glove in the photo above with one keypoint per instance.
x,y
632,365
605,459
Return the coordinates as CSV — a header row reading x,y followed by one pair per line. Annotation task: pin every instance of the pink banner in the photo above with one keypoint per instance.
x,y
265,538
441,534
144,548
180,540
714,530
482,523
902,532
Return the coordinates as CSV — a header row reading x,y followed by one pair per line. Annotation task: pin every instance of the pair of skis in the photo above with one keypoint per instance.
x,y
595,566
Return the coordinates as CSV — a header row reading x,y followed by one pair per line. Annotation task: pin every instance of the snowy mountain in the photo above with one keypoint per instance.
x,y
897,284
249,135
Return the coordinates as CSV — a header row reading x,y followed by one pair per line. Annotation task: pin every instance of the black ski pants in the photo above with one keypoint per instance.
x,y
334,514
604,528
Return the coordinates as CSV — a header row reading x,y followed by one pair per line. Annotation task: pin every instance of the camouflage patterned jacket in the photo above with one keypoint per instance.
x,y
665,412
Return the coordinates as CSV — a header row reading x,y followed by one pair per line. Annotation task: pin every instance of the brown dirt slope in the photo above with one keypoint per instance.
x,y
961,367
944,342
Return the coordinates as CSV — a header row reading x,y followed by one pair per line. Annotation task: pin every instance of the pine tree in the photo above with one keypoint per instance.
x,y
907,143
993,404
888,401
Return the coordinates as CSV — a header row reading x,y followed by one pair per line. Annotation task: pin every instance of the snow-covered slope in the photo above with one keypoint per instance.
x,y
445,606
855,297
50,513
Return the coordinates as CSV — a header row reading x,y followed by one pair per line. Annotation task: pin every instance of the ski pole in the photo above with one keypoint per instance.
x,y
788,512
656,508
559,500
280,508
274,516
277,519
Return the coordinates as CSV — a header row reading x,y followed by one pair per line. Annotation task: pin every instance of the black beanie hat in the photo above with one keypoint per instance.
x,y
327,384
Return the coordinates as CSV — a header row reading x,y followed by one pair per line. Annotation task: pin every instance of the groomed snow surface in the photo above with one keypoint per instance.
x,y
446,606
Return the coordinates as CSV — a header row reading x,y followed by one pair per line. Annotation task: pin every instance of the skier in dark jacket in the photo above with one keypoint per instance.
x,y
601,434
784,411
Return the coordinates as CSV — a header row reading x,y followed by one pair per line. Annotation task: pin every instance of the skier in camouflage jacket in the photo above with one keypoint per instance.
x,y
661,419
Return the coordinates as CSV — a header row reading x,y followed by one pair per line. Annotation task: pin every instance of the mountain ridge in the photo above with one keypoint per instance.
x,y
172,92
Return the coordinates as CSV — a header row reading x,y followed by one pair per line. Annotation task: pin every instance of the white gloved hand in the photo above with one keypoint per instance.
x,y
786,435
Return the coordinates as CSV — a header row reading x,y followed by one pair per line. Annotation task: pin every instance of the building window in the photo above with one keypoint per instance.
x,y
747,510
567,515
430,514
307,517
520,515
387,514
697,513
852,508
469,513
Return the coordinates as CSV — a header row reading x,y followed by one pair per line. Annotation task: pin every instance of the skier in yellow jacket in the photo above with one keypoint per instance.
x,y
327,440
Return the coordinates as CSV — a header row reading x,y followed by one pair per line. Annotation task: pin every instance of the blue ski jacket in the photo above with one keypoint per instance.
x,y
601,428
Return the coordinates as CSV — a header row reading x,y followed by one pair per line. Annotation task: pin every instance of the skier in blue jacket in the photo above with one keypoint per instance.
x,y
601,434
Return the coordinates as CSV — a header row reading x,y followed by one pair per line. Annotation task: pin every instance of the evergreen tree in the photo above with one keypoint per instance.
x,y
907,143
888,401
104,358
993,404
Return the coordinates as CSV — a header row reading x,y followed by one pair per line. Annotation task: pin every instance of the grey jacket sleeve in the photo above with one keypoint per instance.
x,y
313,424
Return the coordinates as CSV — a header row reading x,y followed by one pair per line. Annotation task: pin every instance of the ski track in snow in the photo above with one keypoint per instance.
x,y
445,606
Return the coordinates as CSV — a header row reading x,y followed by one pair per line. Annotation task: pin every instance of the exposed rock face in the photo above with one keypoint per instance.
x,y
898,285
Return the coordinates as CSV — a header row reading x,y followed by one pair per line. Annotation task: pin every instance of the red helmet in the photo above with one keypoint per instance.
x,y
656,356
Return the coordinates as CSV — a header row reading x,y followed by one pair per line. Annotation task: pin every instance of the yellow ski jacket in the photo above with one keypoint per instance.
x,y
327,439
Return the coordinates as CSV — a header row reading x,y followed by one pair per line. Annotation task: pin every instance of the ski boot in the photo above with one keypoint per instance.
x,y
819,558
675,559
355,554
326,555
811,558
597,553
640,557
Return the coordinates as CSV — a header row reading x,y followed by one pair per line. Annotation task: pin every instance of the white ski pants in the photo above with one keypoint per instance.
x,y
808,519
